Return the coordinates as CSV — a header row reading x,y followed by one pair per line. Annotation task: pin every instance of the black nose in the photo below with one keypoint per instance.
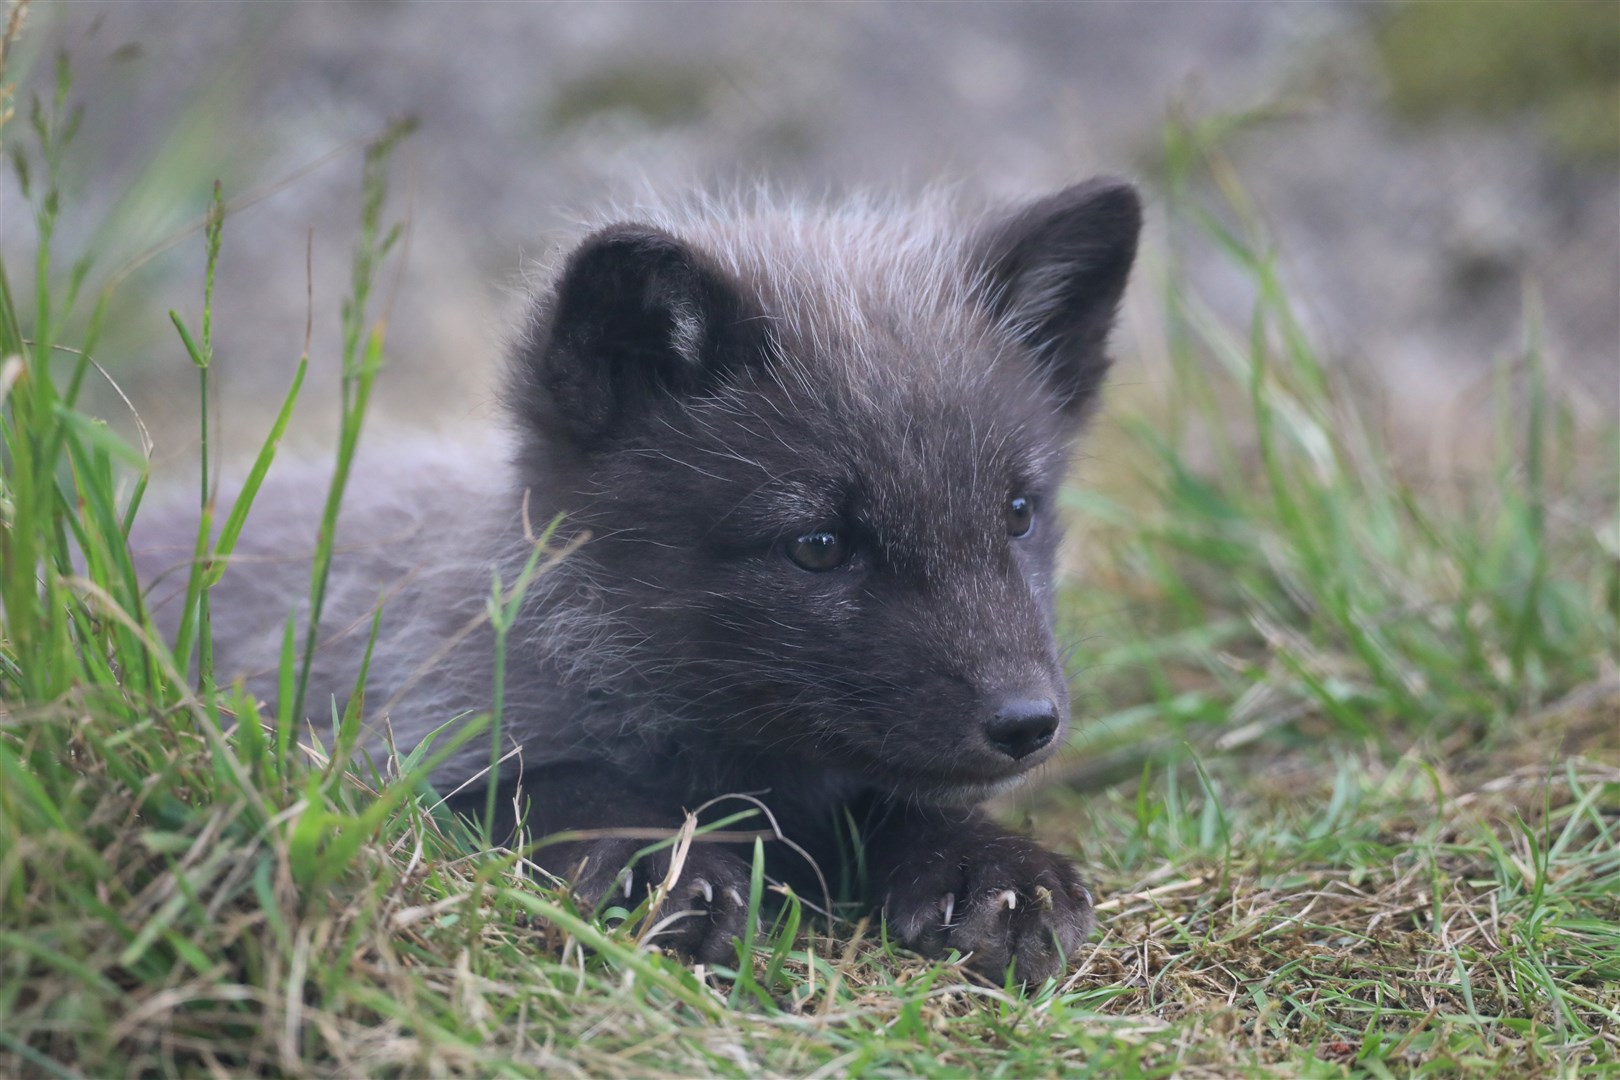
x,y
1022,726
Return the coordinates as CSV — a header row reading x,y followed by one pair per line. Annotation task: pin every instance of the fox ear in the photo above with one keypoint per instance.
x,y
636,316
1054,272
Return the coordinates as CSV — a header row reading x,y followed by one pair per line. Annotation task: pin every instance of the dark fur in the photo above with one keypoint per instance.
x,y
692,394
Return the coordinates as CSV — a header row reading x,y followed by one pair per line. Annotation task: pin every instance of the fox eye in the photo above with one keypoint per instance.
x,y
824,549
1020,515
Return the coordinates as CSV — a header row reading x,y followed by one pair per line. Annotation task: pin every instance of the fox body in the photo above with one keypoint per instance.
x,y
807,463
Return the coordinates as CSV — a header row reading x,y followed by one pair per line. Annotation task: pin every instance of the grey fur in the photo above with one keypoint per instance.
x,y
692,391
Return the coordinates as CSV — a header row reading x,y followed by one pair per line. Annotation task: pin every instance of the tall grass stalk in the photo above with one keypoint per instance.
x,y
361,365
195,623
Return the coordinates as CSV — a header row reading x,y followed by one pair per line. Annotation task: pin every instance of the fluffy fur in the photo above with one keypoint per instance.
x,y
700,393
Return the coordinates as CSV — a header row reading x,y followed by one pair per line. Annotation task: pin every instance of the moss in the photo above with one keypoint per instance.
x,y
1559,59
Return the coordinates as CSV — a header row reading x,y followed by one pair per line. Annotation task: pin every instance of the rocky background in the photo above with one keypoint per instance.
x,y
1422,168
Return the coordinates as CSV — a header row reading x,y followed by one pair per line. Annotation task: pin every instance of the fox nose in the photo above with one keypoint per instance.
x,y
1022,726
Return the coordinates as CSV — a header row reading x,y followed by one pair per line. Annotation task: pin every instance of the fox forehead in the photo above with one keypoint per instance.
x,y
884,284
762,461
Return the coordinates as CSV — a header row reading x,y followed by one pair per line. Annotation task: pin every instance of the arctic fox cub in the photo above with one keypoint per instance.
x,y
811,460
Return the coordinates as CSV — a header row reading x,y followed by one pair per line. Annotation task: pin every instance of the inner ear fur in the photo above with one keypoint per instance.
x,y
637,315
1054,272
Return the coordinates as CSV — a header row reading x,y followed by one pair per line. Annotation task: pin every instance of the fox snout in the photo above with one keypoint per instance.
x,y
1022,726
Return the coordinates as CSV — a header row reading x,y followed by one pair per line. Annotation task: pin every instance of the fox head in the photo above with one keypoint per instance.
x,y
818,456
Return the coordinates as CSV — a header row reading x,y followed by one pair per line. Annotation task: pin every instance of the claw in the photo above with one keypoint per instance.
x,y
706,889
1081,894
629,881
736,898
947,907
1043,897
1007,898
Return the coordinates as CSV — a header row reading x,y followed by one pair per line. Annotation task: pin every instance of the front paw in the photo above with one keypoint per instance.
x,y
700,917
996,898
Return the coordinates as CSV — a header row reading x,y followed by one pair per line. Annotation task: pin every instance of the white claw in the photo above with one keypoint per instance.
x,y
947,907
706,889
735,897
629,881
1007,898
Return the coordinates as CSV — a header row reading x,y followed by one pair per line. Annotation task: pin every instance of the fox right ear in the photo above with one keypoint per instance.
x,y
1053,275
636,315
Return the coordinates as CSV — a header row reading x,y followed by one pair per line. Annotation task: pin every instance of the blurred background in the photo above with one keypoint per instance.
x,y
1423,168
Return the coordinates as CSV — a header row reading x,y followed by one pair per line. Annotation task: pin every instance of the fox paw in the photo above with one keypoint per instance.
x,y
702,916
998,900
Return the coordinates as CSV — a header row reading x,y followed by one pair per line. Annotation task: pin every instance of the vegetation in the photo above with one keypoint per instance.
x,y
1350,786
1559,62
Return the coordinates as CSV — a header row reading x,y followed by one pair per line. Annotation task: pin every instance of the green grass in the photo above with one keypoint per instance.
x,y
1349,780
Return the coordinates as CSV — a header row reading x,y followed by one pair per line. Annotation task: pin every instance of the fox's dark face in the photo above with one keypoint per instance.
x,y
830,517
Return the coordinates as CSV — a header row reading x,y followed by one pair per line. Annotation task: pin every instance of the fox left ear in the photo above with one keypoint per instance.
x,y
1053,274
638,318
